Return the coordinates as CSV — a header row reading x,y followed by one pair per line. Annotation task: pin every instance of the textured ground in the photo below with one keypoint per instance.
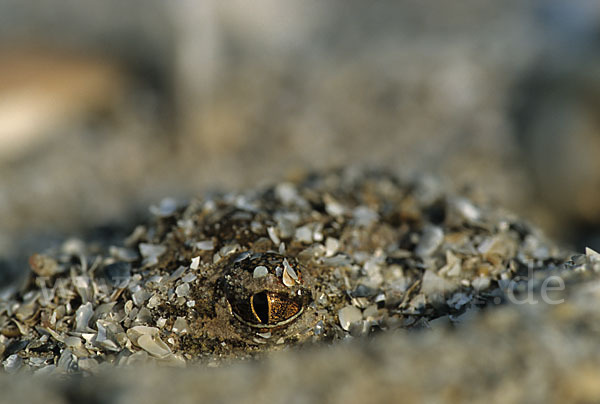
x,y
345,255
330,255
531,354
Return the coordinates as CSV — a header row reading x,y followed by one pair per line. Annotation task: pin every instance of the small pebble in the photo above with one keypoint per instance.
x,y
82,316
331,246
205,245
166,208
189,278
182,290
349,315
430,241
153,345
260,271
180,326
151,252
289,276
273,235
303,234
13,363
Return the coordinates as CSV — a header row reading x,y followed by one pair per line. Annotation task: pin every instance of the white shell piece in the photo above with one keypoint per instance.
x,y
195,263
349,315
260,271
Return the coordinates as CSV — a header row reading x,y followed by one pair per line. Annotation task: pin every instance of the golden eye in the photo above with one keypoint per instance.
x,y
274,308
267,309
265,290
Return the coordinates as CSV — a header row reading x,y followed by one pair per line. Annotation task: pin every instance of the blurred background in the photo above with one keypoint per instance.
x,y
106,107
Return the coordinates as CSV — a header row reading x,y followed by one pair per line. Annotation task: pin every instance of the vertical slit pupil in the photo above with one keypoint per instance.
x,y
260,304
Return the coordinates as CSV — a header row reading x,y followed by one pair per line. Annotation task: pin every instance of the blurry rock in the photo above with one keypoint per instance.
x,y
349,315
555,108
44,265
41,92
